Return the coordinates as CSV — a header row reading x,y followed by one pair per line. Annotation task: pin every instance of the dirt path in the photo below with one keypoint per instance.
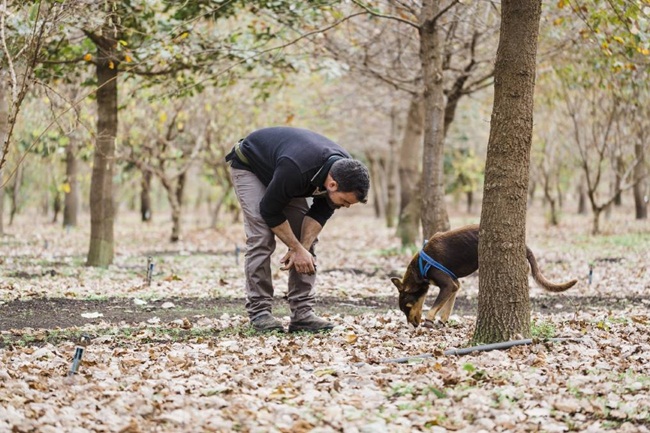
x,y
52,313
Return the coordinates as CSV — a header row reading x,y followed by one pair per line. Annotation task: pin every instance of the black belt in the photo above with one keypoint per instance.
x,y
240,154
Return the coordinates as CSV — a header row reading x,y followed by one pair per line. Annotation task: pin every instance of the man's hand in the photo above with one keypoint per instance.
x,y
300,259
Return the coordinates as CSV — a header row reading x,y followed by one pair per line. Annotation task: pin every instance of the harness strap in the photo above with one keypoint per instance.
x,y
425,262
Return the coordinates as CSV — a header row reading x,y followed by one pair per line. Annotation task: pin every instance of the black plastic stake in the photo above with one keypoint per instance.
x,y
78,354
149,270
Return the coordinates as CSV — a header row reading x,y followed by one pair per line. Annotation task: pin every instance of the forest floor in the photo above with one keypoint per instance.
x,y
177,354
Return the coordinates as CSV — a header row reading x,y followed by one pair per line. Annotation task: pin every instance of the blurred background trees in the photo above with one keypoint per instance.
x,y
109,107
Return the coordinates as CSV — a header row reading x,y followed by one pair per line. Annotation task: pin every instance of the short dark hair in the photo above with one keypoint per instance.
x,y
351,176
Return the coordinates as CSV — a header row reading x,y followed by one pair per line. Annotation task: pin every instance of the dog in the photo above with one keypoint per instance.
x,y
445,258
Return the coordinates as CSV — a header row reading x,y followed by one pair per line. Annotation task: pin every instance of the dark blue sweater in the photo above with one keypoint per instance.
x,y
289,162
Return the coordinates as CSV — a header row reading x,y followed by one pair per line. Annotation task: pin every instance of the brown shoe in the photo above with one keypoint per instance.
x,y
267,323
310,324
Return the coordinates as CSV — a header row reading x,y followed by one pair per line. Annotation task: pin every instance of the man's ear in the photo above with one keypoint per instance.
x,y
397,282
330,184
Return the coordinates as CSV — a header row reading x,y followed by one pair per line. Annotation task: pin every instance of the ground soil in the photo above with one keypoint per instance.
x,y
62,313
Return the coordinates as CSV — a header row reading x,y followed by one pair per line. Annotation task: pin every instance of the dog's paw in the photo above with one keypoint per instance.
x,y
431,324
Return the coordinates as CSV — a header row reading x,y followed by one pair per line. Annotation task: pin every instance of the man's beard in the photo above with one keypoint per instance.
x,y
330,203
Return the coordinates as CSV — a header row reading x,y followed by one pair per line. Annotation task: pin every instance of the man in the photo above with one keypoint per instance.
x,y
273,170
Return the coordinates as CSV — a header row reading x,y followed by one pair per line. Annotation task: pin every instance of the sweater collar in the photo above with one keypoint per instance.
x,y
318,180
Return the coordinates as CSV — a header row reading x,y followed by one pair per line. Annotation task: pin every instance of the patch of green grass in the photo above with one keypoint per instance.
x,y
401,390
418,406
574,391
469,368
428,390
626,241
542,329
617,320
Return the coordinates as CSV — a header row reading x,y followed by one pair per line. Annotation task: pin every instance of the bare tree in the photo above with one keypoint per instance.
x,y
168,154
594,117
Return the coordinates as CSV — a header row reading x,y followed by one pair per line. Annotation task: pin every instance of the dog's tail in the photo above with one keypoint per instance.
x,y
543,282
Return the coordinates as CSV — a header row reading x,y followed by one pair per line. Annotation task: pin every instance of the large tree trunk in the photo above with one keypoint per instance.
x,y
71,200
408,227
434,210
101,188
640,188
503,301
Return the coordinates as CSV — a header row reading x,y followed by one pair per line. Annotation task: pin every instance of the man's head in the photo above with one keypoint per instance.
x,y
347,183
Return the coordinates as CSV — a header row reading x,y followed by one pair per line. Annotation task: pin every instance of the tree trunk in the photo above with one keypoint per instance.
x,y
595,229
408,229
640,188
408,226
582,197
56,206
71,200
145,195
620,168
2,204
175,197
503,301
391,169
376,176
15,193
101,187
470,200
433,208
4,131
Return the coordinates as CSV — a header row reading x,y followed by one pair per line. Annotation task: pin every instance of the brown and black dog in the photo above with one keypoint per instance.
x,y
457,252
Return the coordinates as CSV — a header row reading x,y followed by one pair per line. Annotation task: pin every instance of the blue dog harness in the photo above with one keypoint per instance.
x,y
425,262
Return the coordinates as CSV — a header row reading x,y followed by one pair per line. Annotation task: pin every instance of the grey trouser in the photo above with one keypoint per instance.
x,y
260,245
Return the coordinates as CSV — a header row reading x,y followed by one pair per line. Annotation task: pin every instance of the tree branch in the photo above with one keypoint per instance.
x,y
389,17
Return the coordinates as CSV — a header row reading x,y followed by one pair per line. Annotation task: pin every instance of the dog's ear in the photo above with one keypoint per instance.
x,y
397,282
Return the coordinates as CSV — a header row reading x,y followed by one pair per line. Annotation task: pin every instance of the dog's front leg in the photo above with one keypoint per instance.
x,y
446,309
444,303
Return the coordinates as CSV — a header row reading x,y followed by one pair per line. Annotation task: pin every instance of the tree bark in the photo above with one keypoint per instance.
x,y
175,196
503,302
56,206
640,184
377,175
582,197
433,208
15,193
408,226
145,195
71,200
2,202
4,131
392,165
101,249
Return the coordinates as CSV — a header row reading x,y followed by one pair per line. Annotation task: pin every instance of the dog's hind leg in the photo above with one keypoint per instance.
x,y
444,303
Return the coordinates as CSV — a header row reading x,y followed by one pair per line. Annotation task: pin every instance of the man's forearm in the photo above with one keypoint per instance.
x,y
309,232
284,232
